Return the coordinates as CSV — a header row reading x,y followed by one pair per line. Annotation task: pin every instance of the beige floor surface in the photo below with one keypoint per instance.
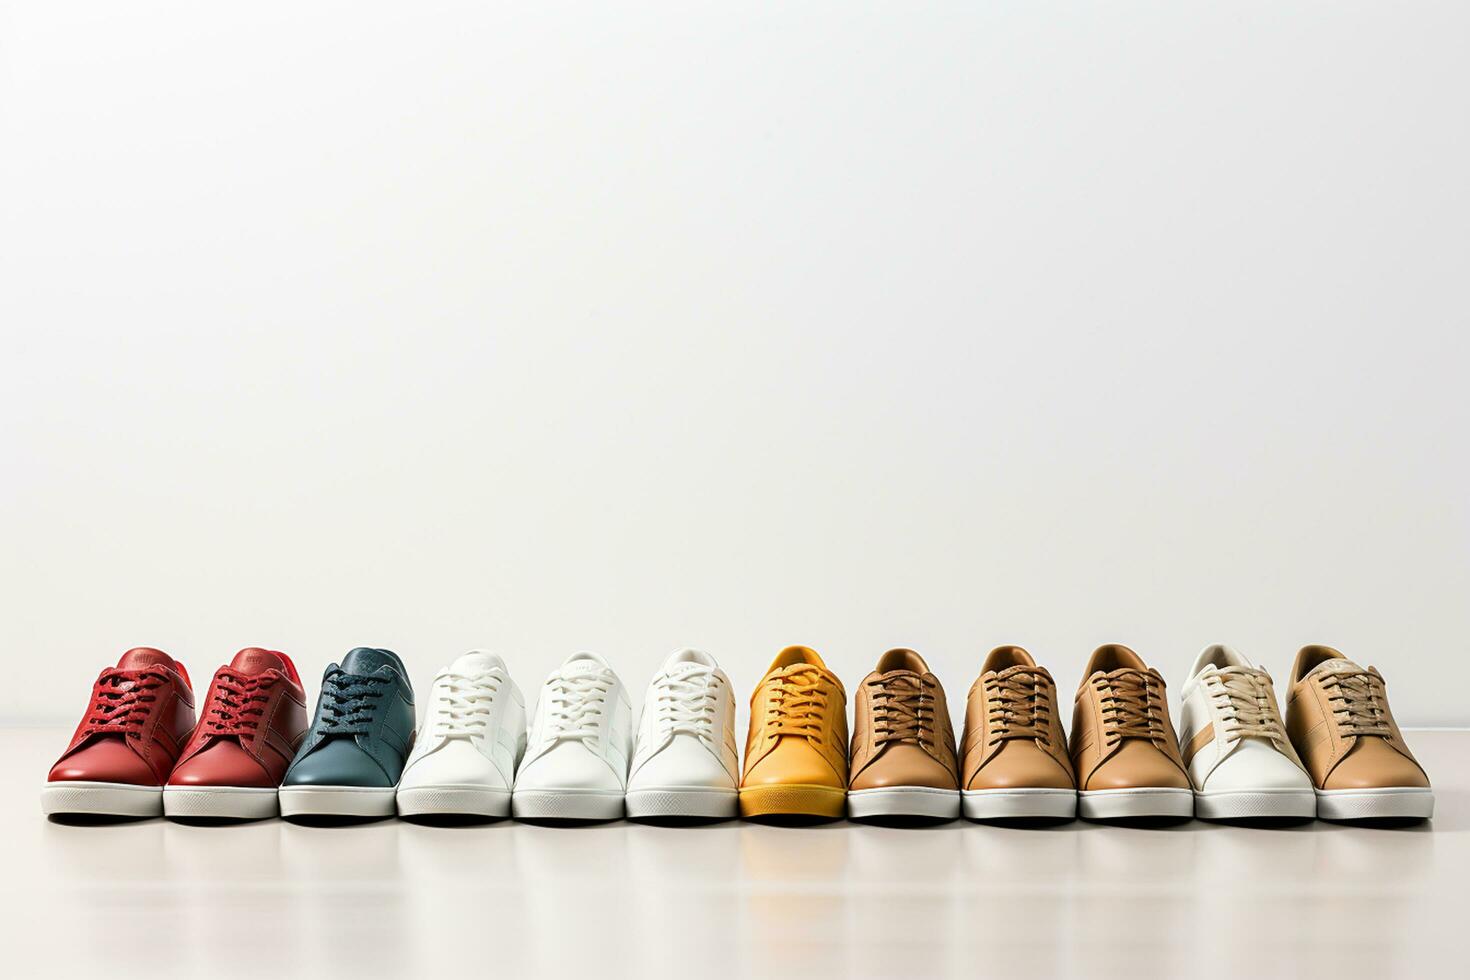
x,y
509,900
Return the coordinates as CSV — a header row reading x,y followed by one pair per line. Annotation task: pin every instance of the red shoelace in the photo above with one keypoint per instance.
x,y
238,703
122,700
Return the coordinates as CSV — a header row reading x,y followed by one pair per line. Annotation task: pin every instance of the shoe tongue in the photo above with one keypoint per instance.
x,y
366,660
685,667
688,656
477,662
254,660
1338,665
140,657
583,664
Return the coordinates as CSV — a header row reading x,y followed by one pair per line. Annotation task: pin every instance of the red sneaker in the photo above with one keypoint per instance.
x,y
253,720
137,722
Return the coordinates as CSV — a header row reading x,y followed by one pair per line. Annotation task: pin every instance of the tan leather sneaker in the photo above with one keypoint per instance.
x,y
903,753
1124,749
1338,720
1016,764
796,749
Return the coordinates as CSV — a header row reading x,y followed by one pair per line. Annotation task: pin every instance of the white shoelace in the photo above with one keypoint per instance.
x,y
462,705
574,705
1248,704
685,704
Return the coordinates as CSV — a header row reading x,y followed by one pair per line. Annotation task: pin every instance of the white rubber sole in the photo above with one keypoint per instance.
x,y
904,801
687,801
566,804
101,799
1142,801
1020,803
224,802
1247,804
1391,803
453,800
337,801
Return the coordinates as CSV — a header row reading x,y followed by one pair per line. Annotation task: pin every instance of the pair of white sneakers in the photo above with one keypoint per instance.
x,y
1235,745
580,759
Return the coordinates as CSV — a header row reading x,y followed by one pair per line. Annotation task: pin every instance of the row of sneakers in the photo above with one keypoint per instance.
x,y
251,752
1338,754
138,750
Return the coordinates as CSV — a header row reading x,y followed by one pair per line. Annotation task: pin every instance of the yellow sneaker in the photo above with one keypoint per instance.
x,y
796,752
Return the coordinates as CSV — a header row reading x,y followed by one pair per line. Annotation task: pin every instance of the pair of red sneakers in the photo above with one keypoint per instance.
x,y
139,752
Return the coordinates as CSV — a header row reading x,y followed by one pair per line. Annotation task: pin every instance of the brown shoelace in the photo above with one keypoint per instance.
x,y
1132,704
903,708
1018,704
1359,702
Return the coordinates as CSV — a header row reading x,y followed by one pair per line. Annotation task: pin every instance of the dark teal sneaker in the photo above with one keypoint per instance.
x,y
355,749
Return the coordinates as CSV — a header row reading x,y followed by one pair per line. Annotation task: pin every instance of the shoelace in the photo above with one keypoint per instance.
x,y
462,706
238,704
575,704
348,701
121,701
1359,702
903,709
685,704
1132,704
799,699
1248,704
1018,704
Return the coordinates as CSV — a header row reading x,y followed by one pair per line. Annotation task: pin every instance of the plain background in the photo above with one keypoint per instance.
x,y
626,327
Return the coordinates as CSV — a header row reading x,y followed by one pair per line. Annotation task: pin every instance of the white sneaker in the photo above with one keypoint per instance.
x,y
576,762
1234,743
686,763
464,760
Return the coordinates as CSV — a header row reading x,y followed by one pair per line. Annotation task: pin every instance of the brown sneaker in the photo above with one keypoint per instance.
x,y
1124,750
903,757
1338,719
1016,763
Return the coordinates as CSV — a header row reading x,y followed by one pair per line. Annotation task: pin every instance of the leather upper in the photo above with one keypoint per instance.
x,y
252,722
1013,731
475,732
1122,737
1338,718
363,726
581,735
798,724
686,732
137,722
902,735
1231,736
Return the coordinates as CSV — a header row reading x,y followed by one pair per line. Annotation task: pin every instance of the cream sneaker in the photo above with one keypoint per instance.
x,y
1234,743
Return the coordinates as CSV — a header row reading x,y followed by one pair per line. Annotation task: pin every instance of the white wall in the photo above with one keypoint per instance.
x,y
552,326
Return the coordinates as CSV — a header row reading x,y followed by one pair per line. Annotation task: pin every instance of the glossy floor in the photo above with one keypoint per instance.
x,y
395,899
